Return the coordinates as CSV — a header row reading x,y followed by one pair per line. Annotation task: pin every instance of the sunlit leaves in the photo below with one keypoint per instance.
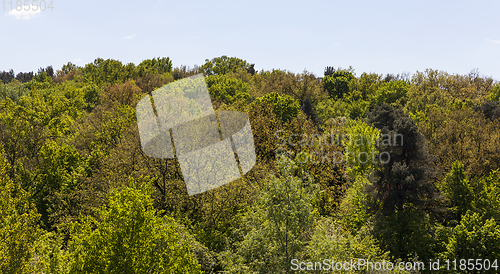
x,y
18,224
474,237
129,237
337,85
222,65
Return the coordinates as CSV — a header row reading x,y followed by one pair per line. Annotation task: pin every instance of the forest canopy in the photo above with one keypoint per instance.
x,y
395,168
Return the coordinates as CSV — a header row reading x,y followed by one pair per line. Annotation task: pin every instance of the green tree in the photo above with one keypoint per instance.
x,y
404,233
329,71
487,194
331,108
333,242
457,191
433,88
18,224
460,134
60,171
337,85
40,81
475,237
401,187
277,225
495,93
490,109
404,177
368,84
227,89
353,211
6,77
222,65
360,149
477,195
283,106
51,255
129,237
92,96
68,67
108,71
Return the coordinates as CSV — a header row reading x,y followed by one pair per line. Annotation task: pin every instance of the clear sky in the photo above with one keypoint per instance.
x,y
371,36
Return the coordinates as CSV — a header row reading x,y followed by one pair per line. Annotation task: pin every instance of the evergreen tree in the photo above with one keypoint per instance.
x,y
404,179
401,187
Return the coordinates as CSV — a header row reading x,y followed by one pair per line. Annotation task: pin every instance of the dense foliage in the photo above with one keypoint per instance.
x,y
392,168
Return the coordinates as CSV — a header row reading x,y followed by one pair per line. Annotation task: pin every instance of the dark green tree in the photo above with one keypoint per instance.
x,y
405,178
329,71
227,89
278,225
284,106
401,188
18,225
6,77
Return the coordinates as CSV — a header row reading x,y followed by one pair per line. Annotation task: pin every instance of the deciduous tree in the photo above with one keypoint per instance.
x,y
129,237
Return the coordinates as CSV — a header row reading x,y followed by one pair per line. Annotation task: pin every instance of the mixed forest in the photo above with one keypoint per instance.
x,y
394,168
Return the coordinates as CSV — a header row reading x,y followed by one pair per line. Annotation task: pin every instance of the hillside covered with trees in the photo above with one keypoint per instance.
x,y
394,168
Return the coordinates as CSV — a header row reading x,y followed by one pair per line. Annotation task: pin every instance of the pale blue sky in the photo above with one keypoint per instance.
x,y
371,36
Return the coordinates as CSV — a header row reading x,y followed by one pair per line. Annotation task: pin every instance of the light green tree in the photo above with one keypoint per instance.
x,y
50,254
18,224
393,93
354,211
335,243
360,151
331,108
284,106
159,65
129,237
487,195
474,238
337,84
495,93
457,191
278,225
227,89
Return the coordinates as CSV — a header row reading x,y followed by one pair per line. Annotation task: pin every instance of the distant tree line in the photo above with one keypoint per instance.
x,y
23,77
